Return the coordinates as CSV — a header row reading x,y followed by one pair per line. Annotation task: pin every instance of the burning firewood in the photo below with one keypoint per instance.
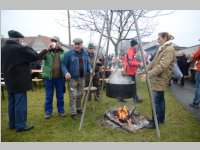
x,y
131,112
115,122
126,118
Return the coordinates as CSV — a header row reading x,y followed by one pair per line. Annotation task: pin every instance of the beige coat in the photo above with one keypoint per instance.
x,y
160,68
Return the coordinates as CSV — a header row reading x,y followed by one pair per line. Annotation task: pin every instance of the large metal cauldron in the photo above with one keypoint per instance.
x,y
119,90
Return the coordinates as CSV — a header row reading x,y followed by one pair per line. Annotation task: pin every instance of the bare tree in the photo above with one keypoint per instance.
x,y
121,23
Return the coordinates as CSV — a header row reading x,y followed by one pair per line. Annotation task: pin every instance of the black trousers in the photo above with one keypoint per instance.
x,y
135,97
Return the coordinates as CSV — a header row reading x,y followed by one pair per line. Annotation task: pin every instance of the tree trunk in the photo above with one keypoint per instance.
x,y
116,49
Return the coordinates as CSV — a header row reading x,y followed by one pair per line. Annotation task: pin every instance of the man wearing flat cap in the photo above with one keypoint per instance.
x,y
16,59
53,77
130,67
95,81
75,67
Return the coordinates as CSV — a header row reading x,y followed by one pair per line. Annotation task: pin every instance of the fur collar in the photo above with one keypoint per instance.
x,y
165,44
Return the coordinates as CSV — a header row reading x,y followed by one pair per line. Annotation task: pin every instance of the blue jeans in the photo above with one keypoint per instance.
x,y
159,101
196,99
17,110
58,83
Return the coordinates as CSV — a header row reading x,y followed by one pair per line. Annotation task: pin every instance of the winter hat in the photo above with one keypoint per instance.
x,y
91,45
15,34
133,42
55,38
77,40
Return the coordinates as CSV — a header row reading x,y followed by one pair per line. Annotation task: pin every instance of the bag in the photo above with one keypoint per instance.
x,y
176,72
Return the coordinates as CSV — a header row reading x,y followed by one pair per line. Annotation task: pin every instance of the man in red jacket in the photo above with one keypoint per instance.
x,y
196,99
131,65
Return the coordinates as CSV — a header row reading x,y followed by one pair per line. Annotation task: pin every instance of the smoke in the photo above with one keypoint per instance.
x,y
117,78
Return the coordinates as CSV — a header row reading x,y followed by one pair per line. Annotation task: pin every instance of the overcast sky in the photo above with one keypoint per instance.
x,y
184,25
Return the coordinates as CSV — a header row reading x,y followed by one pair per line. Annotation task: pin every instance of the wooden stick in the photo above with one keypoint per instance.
x,y
148,81
69,27
116,123
83,98
107,48
93,70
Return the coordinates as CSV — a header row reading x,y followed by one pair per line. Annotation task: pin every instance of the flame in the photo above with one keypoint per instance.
x,y
122,112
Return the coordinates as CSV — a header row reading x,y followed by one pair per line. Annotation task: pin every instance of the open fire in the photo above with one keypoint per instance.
x,y
126,118
122,114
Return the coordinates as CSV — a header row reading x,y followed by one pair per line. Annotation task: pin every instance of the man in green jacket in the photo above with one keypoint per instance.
x,y
53,77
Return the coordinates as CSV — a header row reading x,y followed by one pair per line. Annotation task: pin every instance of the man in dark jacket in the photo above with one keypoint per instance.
x,y
75,67
183,65
16,59
95,82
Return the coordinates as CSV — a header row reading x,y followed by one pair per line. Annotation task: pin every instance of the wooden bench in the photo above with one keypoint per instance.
x,y
92,90
3,85
37,81
85,91
103,79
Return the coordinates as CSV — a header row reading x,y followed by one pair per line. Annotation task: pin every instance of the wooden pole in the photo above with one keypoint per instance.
x,y
69,27
148,81
107,48
93,70
109,31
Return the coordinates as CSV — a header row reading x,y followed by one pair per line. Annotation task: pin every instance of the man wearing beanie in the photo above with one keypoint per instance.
x,y
16,59
131,65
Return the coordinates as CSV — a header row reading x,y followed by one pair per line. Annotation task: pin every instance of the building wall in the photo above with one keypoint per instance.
x,y
190,50
151,50
38,44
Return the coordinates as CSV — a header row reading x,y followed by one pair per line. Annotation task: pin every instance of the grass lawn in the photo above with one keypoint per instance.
x,y
180,125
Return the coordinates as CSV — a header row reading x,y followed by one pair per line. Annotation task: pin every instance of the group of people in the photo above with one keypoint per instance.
x,y
161,68
76,67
